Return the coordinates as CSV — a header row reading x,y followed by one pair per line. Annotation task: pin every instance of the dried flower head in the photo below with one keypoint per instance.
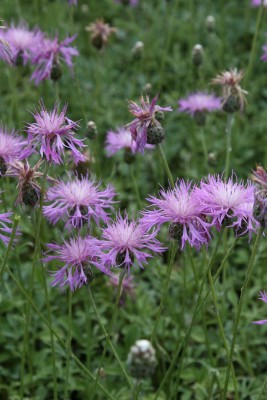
x,y
10,148
78,201
53,131
263,297
100,33
233,95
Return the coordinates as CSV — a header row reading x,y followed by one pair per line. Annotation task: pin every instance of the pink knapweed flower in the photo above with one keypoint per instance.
x,y
53,132
124,241
78,201
10,148
48,56
199,102
77,255
132,3
229,203
73,2
263,297
145,118
181,209
257,3
121,139
23,42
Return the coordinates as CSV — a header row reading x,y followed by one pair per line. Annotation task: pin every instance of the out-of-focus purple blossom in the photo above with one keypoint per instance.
x,y
229,203
53,132
263,297
23,42
6,53
264,56
48,56
124,242
10,148
132,3
121,139
199,102
73,2
5,228
257,3
77,255
182,210
78,201
100,33
145,117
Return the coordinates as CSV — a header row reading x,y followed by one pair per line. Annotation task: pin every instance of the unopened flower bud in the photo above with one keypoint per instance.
x,y
3,167
212,159
176,230
138,50
91,130
197,55
56,71
29,195
85,9
210,23
159,115
147,88
141,359
155,133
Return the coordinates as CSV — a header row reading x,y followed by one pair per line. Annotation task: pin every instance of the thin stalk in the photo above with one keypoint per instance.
x,y
10,243
228,131
136,187
164,291
254,43
193,264
55,334
68,345
166,165
204,145
240,307
263,390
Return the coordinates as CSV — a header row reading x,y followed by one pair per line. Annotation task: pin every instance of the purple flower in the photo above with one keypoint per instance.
x,y
124,242
73,2
77,201
77,255
53,131
132,3
199,102
145,118
23,42
5,230
229,203
263,297
48,56
264,56
121,139
256,3
10,148
5,51
181,209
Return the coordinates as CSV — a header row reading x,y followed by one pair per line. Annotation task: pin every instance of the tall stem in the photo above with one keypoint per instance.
x,y
240,306
68,345
166,165
228,131
10,243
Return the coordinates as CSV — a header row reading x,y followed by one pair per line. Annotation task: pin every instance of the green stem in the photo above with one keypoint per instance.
x,y
55,334
228,131
254,43
10,243
263,390
240,307
136,187
166,165
204,145
192,264
165,290
68,346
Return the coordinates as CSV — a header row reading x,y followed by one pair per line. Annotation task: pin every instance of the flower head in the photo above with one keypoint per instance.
x,y
181,209
5,227
233,95
124,242
48,56
10,148
77,255
263,297
53,131
121,139
145,123
199,102
23,42
229,203
78,201
256,3
100,33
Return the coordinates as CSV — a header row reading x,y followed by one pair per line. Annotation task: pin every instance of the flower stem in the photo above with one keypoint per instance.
x,y
10,243
136,187
165,290
240,306
166,166
68,345
228,131
55,334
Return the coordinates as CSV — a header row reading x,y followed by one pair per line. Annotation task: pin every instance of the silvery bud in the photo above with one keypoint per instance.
x,y
210,23
141,359
197,55
138,49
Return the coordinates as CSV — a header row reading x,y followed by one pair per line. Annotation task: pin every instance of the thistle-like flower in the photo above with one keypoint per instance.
x,y
48,57
100,33
263,297
124,242
77,255
53,132
10,148
181,209
145,128
5,227
198,104
78,201
233,96
228,203
121,139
